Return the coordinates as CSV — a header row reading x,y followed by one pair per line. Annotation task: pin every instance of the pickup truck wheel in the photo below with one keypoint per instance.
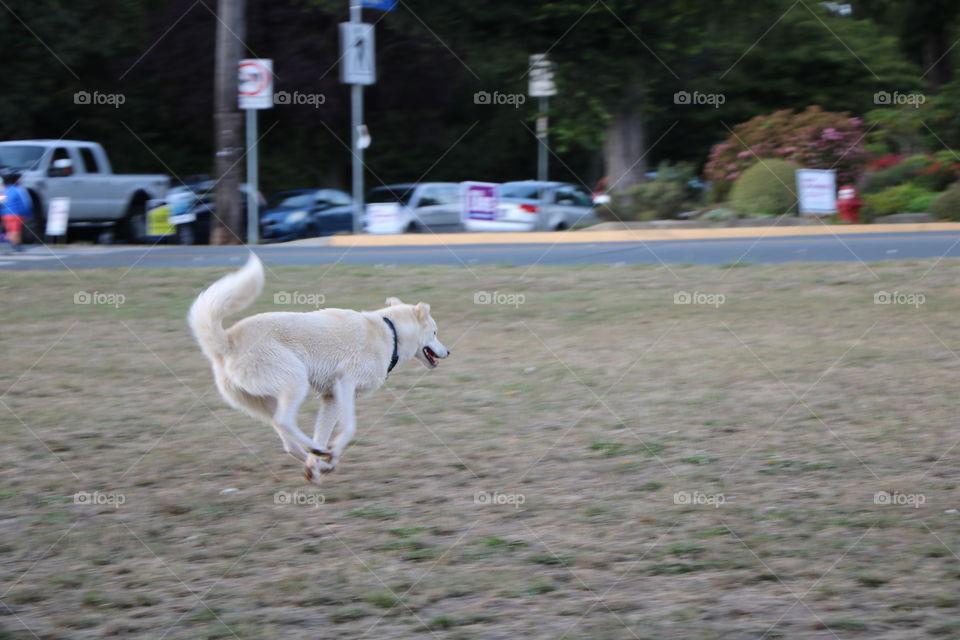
x,y
136,223
106,237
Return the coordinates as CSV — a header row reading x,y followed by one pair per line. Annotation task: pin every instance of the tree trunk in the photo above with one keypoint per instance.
x,y
226,227
625,146
935,54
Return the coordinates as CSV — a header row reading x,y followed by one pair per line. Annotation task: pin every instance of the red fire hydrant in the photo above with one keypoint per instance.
x,y
848,205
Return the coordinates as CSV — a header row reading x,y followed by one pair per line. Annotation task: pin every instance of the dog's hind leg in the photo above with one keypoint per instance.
x,y
344,395
326,420
322,429
285,422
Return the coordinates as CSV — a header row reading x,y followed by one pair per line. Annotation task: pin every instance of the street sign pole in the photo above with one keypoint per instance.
x,y
543,158
357,68
253,180
356,120
542,86
255,91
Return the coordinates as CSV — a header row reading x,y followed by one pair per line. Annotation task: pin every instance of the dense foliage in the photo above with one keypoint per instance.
x,y
619,65
813,139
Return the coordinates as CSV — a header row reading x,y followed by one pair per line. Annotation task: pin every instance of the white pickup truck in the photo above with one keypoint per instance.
x,y
81,171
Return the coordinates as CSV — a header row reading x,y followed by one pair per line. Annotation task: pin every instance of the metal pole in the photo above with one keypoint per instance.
x,y
253,180
356,119
542,157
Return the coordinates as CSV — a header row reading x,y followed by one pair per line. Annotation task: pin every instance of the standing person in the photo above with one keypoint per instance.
x,y
17,207
3,233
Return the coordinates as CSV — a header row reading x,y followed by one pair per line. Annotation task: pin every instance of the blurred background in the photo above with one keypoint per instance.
x,y
619,64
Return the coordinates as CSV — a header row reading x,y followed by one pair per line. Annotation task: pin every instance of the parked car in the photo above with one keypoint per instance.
x,y
81,171
306,213
413,208
529,205
192,214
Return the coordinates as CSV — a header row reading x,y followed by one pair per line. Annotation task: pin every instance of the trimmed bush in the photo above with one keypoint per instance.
x,y
947,204
766,188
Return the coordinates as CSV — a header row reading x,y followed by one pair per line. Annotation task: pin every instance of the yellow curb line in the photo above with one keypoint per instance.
x,y
631,235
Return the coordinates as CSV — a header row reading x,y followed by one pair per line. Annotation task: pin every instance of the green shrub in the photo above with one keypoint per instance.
x,y
947,204
931,172
664,197
903,198
768,187
904,171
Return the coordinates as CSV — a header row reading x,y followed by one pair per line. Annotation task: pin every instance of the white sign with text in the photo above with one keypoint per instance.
x,y
817,190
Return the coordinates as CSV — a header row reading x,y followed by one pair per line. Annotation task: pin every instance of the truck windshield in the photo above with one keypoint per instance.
x,y
20,156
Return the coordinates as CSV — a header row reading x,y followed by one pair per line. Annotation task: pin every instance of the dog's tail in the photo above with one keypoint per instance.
x,y
225,296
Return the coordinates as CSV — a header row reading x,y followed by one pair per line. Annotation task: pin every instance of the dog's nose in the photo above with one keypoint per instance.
x,y
449,352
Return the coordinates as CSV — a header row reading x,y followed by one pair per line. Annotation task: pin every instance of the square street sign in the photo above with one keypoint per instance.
x,y
357,61
541,77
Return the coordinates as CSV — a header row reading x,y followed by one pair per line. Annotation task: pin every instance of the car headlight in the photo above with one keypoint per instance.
x,y
296,216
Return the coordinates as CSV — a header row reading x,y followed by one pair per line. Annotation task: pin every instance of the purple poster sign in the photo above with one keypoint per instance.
x,y
479,201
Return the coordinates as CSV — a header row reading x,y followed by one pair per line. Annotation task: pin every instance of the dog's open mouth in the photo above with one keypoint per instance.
x,y
432,357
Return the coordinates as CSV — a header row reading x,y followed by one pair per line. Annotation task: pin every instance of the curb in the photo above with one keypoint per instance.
x,y
629,235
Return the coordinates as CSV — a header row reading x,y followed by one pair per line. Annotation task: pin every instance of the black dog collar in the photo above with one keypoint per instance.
x,y
393,358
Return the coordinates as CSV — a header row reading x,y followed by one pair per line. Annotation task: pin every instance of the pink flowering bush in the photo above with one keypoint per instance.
x,y
812,139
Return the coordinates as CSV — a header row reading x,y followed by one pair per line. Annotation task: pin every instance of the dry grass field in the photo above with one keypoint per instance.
x,y
777,459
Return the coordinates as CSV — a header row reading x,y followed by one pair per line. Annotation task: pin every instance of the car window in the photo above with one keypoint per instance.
x,y
582,197
291,200
61,154
523,190
449,194
564,196
429,197
338,198
89,160
381,195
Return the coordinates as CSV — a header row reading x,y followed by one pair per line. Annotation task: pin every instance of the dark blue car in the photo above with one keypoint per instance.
x,y
306,213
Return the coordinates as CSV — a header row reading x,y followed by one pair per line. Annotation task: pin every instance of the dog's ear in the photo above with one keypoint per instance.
x,y
391,301
423,310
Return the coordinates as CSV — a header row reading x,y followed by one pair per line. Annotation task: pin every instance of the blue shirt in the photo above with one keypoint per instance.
x,y
18,202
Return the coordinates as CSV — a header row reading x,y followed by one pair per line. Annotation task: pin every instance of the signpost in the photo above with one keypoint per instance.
x,y
541,85
358,68
817,191
255,91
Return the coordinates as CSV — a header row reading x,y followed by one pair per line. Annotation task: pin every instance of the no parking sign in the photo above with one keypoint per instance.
x,y
255,83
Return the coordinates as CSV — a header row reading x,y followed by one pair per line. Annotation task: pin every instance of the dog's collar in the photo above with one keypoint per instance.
x,y
394,358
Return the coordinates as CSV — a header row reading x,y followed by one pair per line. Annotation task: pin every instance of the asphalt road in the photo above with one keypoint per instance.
x,y
847,248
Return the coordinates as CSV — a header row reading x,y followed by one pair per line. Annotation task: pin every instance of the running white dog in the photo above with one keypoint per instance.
x,y
266,364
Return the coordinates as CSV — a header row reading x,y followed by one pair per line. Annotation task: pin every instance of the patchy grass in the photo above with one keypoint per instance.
x,y
647,469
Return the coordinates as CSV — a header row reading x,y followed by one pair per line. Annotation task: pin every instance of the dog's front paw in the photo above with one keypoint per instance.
x,y
315,468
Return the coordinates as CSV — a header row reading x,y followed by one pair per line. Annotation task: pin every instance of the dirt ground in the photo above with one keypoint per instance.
x,y
777,458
